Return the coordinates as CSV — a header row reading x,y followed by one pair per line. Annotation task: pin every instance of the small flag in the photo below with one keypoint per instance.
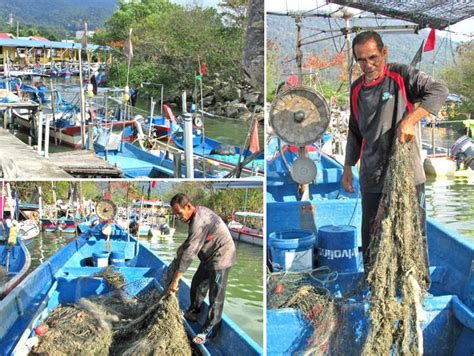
x,y
127,49
292,81
254,141
203,69
153,184
199,77
417,58
431,41
84,37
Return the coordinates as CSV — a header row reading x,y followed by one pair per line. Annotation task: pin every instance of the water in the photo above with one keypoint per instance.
x,y
244,295
450,200
230,131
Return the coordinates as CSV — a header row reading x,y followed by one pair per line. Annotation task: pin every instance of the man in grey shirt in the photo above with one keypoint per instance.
x,y
382,108
210,240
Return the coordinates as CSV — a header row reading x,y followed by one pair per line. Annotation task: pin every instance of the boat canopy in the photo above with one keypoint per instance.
x,y
435,14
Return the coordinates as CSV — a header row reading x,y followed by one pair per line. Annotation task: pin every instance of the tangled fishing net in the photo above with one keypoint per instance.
x,y
397,279
148,324
304,291
398,267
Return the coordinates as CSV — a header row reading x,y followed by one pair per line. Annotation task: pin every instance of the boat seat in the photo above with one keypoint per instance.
x,y
331,175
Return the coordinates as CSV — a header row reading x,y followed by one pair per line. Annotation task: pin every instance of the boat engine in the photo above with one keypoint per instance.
x,y
463,152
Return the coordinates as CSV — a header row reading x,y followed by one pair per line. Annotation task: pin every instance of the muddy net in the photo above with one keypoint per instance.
x,y
398,274
394,287
150,323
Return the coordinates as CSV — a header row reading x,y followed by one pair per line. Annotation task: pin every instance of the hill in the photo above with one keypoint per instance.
x,y
281,30
61,15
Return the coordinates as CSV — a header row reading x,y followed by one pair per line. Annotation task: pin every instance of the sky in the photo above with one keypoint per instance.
x,y
463,27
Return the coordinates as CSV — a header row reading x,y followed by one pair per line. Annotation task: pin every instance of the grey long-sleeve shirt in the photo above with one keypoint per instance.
x,y
377,109
210,240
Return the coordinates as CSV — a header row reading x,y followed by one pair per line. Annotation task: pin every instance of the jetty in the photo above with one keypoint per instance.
x,y
18,160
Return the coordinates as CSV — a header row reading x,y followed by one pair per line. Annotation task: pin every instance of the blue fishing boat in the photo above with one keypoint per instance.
x,y
135,162
68,276
449,324
14,263
220,152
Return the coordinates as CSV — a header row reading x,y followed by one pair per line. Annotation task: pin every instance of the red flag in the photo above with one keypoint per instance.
x,y
153,184
254,142
203,69
431,41
292,81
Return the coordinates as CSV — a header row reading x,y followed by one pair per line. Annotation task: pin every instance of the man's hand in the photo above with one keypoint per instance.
x,y
347,179
174,285
406,130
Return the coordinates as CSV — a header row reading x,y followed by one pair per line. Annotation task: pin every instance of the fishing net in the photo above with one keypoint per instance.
x,y
397,263
397,279
150,323
305,291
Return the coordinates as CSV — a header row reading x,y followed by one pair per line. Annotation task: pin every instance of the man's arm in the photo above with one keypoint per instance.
x,y
174,285
420,86
352,154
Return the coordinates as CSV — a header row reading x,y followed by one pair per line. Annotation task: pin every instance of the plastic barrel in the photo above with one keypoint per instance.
x,y
337,248
292,250
117,258
101,259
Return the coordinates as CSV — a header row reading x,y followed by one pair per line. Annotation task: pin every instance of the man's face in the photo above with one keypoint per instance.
x,y
371,59
182,213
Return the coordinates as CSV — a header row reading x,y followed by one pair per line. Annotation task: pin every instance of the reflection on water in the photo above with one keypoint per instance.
x,y
244,296
450,200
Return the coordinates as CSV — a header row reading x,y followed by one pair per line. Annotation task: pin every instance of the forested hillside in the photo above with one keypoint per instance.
x,y
59,15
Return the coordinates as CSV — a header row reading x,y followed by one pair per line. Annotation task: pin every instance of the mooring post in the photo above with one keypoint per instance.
x,y
40,132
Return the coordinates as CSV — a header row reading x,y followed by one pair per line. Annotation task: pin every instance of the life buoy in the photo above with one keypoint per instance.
x,y
169,113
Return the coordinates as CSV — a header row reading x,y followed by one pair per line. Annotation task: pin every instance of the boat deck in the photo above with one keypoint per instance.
x,y
18,160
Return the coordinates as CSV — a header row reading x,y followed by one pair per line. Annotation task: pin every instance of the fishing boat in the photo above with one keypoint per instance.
x,y
247,227
28,229
63,225
220,152
449,308
135,162
67,276
14,263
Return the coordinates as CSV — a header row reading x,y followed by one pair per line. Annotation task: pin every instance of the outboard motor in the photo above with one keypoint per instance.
x,y
463,152
164,228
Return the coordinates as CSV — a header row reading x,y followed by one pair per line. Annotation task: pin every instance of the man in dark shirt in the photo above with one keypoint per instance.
x,y
382,106
210,240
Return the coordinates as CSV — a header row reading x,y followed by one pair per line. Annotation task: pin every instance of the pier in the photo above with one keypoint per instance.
x,y
18,160
85,164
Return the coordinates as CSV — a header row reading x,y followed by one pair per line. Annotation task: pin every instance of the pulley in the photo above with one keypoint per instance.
x,y
106,209
299,116
303,170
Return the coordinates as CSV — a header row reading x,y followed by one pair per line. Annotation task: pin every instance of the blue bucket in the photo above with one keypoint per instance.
x,y
101,259
337,248
292,250
117,258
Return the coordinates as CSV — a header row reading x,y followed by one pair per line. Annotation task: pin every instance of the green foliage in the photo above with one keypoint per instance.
x,y
460,78
273,71
171,43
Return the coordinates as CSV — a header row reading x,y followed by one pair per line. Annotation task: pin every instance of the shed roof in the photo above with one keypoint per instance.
x,y
11,42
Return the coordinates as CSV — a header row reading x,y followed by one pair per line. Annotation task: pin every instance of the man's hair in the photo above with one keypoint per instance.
x,y
181,199
365,36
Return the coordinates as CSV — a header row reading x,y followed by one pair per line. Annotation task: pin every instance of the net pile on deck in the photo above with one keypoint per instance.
x,y
150,323
304,291
398,266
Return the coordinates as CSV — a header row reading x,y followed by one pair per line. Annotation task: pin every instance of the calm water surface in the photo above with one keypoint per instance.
x,y
244,296
450,200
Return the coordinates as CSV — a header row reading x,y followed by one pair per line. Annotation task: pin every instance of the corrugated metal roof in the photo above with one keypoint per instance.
x,y
438,14
12,42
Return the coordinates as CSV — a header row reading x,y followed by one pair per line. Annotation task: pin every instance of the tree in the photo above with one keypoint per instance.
x,y
460,76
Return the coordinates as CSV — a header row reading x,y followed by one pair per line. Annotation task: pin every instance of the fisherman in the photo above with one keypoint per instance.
x,y
210,240
382,106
